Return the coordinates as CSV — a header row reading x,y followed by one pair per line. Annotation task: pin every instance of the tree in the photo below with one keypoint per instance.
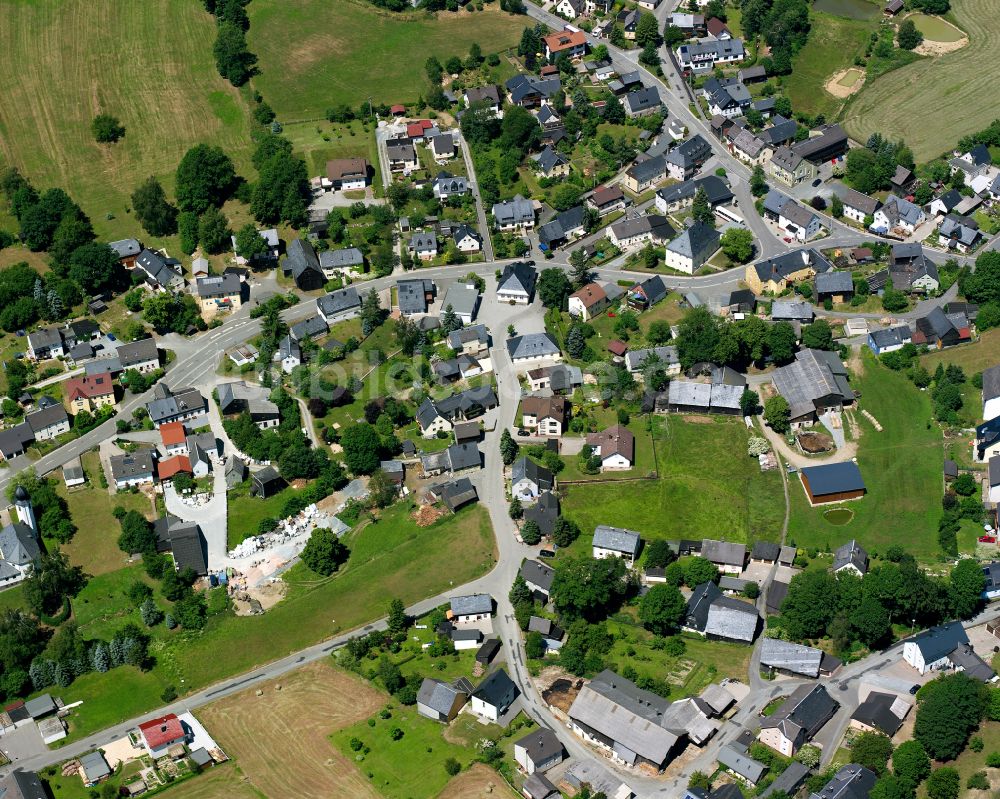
x,y
508,447
781,341
701,209
205,177
809,606
575,342
52,579
362,445
564,532
836,207
967,584
908,36
659,332
893,300
965,485
397,620
818,335
107,129
758,181
646,30
910,762
778,414
213,231
371,312
515,510
534,646
531,533
737,244
232,58
579,272
698,570
157,216
324,552
982,285
589,588
249,243
94,267
697,337
662,609
943,783
749,402
948,709
136,534
871,621
554,287
659,554
872,750
382,490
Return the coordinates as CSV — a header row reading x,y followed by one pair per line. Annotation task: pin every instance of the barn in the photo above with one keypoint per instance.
x,y
833,482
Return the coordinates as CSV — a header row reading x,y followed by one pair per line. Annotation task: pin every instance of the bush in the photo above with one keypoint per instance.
x,y
169,694
395,733
978,781
452,766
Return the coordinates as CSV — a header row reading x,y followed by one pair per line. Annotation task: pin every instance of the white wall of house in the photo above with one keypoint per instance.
x,y
679,262
601,553
991,409
524,489
772,737
481,708
614,463
439,424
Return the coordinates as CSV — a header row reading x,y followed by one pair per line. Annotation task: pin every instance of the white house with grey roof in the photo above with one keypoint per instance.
x,y
616,542
666,358
790,658
727,556
463,299
692,248
515,214
929,650
713,615
850,557
447,185
528,480
345,261
440,701
470,608
339,305
517,283
140,355
533,347
539,750
537,576
805,712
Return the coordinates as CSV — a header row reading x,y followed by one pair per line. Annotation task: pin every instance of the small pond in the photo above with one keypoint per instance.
x,y
838,516
852,9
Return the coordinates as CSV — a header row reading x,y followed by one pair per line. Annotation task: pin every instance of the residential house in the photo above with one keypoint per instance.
x,y
302,265
464,455
832,482
89,392
791,311
440,701
414,295
795,659
858,206
836,286
898,216
880,713
162,273
570,42
447,185
558,378
159,734
184,541
528,91
972,164
713,615
678,196
175,406
45,343
551,163
703,55
528,480
728,97
539,750
692,248
607,199
19,547
615,446
339,305
456,494
851,781
538,577
750,148
642,102
309,328
890,339
665,358
959,233
517,284
910,270
691,24
127,251
987,442
686,158
345,261
589,301
168,468
532,347
794,219
442,147
789,167
824,144
930,649
347,174
133,468
813,384
939,329
485,97
239,397
140,355
632,232
991,393
289,354
616,542
470,609
728,557
645,172
402,155
944,203
566,225
780,132
467,239
423,245
472,340
463,299
45,423
515,214
219,293
798,719
546,416
494,696
735,758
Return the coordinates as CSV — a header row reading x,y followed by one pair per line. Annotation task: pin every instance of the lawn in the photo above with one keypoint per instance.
x,y
959,86
645,462
319,141
315,55
975,357
969,762
245,512
707,488
149,64
901,467
833,43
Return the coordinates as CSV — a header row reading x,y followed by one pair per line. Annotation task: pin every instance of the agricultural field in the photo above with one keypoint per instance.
x,y
957,85
280,739
901,466
477,782
316,55
150,64
707,488
226,781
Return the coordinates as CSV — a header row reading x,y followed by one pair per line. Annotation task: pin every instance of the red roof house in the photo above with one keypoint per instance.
x,y
168,467
397,110
162,732
617,348
172,434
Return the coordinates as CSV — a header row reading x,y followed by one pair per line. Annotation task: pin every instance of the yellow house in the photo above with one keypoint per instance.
x,y
90,392
776,274
219,293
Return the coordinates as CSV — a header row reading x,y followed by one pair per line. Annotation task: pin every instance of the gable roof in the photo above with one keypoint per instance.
x,y
538,574
526,469
938,642
802,715
532,345
617,539
696,241
789,656
161,731
724,552
518,277
437,695
850,782
740,763
876,711
851,553
812,376
495,688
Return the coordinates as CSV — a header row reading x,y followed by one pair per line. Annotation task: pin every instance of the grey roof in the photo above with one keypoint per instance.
x,y
125,248
538,574
301,257
411,295
687,154
732,619
765,550
802,715
716,190
46,417
648,169
788,656
815,147
776,594
45,337
95,766
496,688
724,552
850,782
959,229
964,657
834,283
617,539
668,356
936,643
462,297
728,583
40,706
522,87
895,336
789,263
862,202
876,711
514,211
526,469
437,695
19,544
343,258
537,786
289,348
991,383
157,268
641,100
137,352
471,604
532,345
851,553
741,763
696,242
788,780
22,785
518,277
338,302
133,464
457,493
167,404
812,376
443,144
112,365
466,232
308,328
423,240
460,337
464,456
632,226
699,603
794,310
896,210
540,745
780,130
548,159
687,394
218,285
544,512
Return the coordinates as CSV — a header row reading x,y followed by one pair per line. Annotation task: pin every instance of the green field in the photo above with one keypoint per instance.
x,y
316,55
959,86
707,488
901,467
935,29
150,64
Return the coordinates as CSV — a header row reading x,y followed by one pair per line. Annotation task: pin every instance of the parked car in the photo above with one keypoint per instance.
x,y
817,182
111,337
914,688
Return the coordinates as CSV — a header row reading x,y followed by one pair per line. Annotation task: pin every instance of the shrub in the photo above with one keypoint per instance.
x,y
452,766
395,733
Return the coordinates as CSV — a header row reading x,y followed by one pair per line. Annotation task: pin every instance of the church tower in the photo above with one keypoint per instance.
x,y
25,513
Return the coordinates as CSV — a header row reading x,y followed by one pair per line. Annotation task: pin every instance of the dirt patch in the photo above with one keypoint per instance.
x,y
927,47
478,782
562,693
837,89
426,515
280,737
814,443
696,419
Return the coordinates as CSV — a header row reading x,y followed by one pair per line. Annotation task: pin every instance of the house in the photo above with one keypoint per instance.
x,y
735,758
140,355
515,214
565,226
814,383
19,547
545,512
546,416
880,713
414,295
537,786
472,340
539,750
607,199
929,650
944,203
168,468
858,206
678,196
442,147
162,273
898,216
266,482
750,148
265,259
964,658
790,658
532,347
308,329
45,343
235,471
423,245
728,557
571,42
402,155
558,378
528,480
47,423
940,330
551,163
219,293
836,286
73,473
794,219
615,446
494,696
132,469
776,594
691,24
642,102
487,97
239,397
159,734
347,174
345,261
517,283
703,55
692,248
686,158
127,251
780,132
683,396
991,393
891,339
339,305
184,541
789,167
665,358
93,768
447,185
715,616
959,233
439,701
765,552
850,782
528,91
457,493
591,300
538,577
289,354
466,239
893,7
22,785
173,438
615,542
634,231
971,164
302,264
824,144
89,392
987,440
645,172
910,270
462,456
728,97
798,719
175,406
